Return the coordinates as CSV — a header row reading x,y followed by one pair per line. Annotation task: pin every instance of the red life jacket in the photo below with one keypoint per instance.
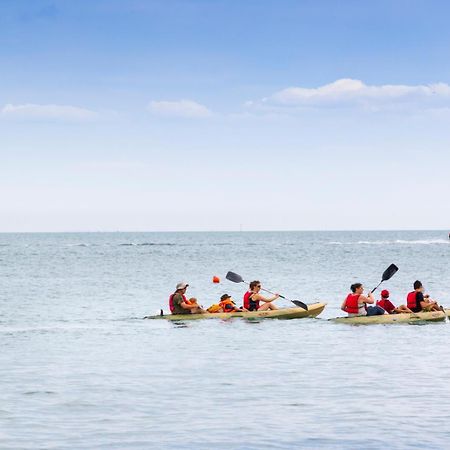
x,y
411,300
351,303
171,301
249,303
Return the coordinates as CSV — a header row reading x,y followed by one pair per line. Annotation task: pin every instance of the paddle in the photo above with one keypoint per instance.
x,y
235,278
387,275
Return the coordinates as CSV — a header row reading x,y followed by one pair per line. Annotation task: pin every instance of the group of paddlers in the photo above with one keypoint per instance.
x,y
358,304
355,304
252,301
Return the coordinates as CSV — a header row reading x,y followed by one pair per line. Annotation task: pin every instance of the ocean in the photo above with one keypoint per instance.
x,y
81,369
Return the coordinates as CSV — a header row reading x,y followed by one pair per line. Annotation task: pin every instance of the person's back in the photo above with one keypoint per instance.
x,y
418,302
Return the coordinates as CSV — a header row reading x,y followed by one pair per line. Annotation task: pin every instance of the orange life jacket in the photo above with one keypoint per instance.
x,y
227,305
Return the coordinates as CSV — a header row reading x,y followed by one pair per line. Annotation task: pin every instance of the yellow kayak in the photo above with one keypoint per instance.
x,y
284,314
432,316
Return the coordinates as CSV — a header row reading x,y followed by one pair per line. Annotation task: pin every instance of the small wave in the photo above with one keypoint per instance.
x,y
397,241
140,244
78,245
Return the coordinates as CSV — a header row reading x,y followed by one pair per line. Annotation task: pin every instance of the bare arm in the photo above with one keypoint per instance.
x,y
369,299
260,298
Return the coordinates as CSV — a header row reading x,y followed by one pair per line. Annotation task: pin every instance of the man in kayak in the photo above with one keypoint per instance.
x,y
253,299
179,304
418,302
356,303
389,307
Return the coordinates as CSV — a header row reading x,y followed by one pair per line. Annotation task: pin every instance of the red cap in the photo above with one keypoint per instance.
x,y
385,293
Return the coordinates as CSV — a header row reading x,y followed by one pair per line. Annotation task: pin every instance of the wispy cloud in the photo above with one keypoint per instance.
x,y
180,108
349,92
47,112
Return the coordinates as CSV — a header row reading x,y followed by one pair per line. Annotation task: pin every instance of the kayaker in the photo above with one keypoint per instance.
x,y
253,299
179,304
227,304
356,303
417,302
389,307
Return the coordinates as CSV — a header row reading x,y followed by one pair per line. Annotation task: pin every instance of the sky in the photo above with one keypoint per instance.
x,y
208,115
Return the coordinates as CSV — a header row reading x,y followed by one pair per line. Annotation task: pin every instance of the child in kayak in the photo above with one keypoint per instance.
x,y
356,303
418,302
389,307
227,304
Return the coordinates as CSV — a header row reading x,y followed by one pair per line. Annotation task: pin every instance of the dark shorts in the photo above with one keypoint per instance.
x,y
375,311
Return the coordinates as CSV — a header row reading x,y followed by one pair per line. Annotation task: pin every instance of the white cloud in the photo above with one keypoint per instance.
x,y
46,112
348,92
180,108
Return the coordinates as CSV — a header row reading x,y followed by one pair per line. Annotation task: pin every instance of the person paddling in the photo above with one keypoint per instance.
x,y
389,307
418,302
253,299
179,304
356,303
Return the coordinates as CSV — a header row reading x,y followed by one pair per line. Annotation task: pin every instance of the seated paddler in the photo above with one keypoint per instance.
x,y
179,304
417,301
254,301
356,303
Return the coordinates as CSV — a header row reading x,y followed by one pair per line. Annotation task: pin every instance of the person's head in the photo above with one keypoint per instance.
x,y
255,286
418,285
181,287
384,293
357,288
225,297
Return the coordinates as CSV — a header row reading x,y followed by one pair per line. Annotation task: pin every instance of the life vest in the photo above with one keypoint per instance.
x,y
227,305
214,308
171,306
411,300
249,303
351,303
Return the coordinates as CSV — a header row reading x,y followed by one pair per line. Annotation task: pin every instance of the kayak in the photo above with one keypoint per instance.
x,y
432,316
283,314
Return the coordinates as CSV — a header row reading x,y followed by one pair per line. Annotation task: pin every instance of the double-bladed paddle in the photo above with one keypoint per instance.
x,y
387,275
235,278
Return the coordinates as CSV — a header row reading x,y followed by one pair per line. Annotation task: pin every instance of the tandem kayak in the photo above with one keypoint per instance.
x,y
432,316
314,310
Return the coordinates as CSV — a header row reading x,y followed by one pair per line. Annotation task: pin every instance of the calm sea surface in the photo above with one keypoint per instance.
x,y
80,369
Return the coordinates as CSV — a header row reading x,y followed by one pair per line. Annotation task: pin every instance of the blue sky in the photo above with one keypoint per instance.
x,y
221,115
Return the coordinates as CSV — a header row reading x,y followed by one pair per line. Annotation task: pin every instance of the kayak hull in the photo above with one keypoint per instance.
x,y
282,314
433,316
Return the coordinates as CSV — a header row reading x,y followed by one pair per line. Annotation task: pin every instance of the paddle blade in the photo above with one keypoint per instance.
x,y
234,277
389,272
300,304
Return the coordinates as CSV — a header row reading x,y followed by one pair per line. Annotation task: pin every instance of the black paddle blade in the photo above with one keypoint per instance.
x,y
300,304
234,277
389,272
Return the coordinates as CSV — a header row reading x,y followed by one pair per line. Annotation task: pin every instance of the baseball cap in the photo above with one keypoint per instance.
x,y
385,293
225,296
182,285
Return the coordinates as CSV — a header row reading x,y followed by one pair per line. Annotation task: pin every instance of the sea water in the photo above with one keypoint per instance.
x,y
81,369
